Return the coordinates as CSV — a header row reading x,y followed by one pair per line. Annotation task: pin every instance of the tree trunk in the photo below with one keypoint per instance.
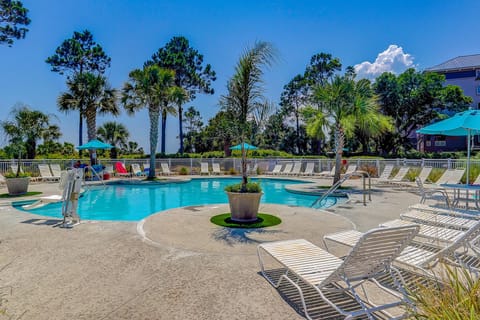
x,y
80,133
297,137
180,128
244,167
153,114
31,145
339,142
164,129
91,131
113,153
226,148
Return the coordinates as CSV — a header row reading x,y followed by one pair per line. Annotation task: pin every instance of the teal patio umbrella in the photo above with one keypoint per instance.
x,y
95,144
466,123
246,146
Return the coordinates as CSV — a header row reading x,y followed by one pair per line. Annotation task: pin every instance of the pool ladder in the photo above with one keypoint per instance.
x,y
321,200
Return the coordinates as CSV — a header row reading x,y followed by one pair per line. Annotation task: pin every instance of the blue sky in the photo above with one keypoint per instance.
x,y
373,35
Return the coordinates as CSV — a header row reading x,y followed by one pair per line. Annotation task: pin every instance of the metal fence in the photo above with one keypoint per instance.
x,y
232,165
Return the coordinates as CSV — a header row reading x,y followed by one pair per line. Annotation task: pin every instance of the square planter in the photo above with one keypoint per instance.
x,y
17,186
244,206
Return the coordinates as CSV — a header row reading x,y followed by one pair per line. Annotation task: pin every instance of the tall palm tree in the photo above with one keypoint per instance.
x,y
167,108
344,105
149,87
91,95
245,90
179,98
115,134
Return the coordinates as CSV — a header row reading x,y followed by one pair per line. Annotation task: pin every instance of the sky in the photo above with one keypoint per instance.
x,y
373,36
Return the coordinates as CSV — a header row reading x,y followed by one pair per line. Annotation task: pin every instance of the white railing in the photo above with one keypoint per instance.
x,y
227,165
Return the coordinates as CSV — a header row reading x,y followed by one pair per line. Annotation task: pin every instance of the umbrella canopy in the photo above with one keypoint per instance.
x,y
95,144
466,123
246,146
461,124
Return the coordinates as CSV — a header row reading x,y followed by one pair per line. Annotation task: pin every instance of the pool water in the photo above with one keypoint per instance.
x,y
133,202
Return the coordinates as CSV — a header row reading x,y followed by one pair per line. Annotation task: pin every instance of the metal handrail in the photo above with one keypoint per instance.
x,y
336,185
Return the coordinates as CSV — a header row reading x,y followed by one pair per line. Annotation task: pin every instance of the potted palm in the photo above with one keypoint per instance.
x,y
26,127
17,181
244,98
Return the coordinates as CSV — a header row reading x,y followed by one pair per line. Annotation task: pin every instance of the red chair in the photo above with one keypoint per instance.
x,y
120,170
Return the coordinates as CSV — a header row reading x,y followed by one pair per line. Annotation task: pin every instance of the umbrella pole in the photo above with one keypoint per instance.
x,y
468,156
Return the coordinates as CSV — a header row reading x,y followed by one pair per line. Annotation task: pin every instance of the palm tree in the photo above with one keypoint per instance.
x,y
115,134
132,148
343,106
245,91
167,108
179,97
89,94
149,87
27,127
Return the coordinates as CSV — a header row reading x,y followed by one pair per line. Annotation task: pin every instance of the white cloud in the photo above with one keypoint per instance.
x,y
391,60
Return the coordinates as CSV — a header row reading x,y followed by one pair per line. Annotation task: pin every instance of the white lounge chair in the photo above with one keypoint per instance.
x,y
287,169
276,170
437,194
419,256
452,176
469,214
424,173
398,178
435,235
108,169
327,173
422,177
137,171
146,168
296,169
252,170
204,168
216,168
165,169
351,169
309,169
56,170
442,219
387,171
45,173
370,258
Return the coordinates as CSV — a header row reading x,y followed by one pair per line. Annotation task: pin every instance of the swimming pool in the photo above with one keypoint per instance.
x,y
133,202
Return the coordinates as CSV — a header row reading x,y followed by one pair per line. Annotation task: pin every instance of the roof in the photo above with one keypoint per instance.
x,y
458,63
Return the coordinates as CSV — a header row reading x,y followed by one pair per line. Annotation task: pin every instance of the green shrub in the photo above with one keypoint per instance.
x,y
10,174
435,174
412,174
251,187
457,297
183,171
232,171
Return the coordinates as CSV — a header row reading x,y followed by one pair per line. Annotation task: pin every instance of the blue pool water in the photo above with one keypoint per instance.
x,y
133,202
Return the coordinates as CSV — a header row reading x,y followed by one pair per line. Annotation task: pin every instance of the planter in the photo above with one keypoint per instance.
x,y
244,206
17,186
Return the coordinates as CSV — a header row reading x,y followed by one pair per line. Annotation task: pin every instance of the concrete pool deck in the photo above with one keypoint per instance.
x,y
173,265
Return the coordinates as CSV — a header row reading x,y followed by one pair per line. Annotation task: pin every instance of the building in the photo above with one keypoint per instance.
x,y
462,71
